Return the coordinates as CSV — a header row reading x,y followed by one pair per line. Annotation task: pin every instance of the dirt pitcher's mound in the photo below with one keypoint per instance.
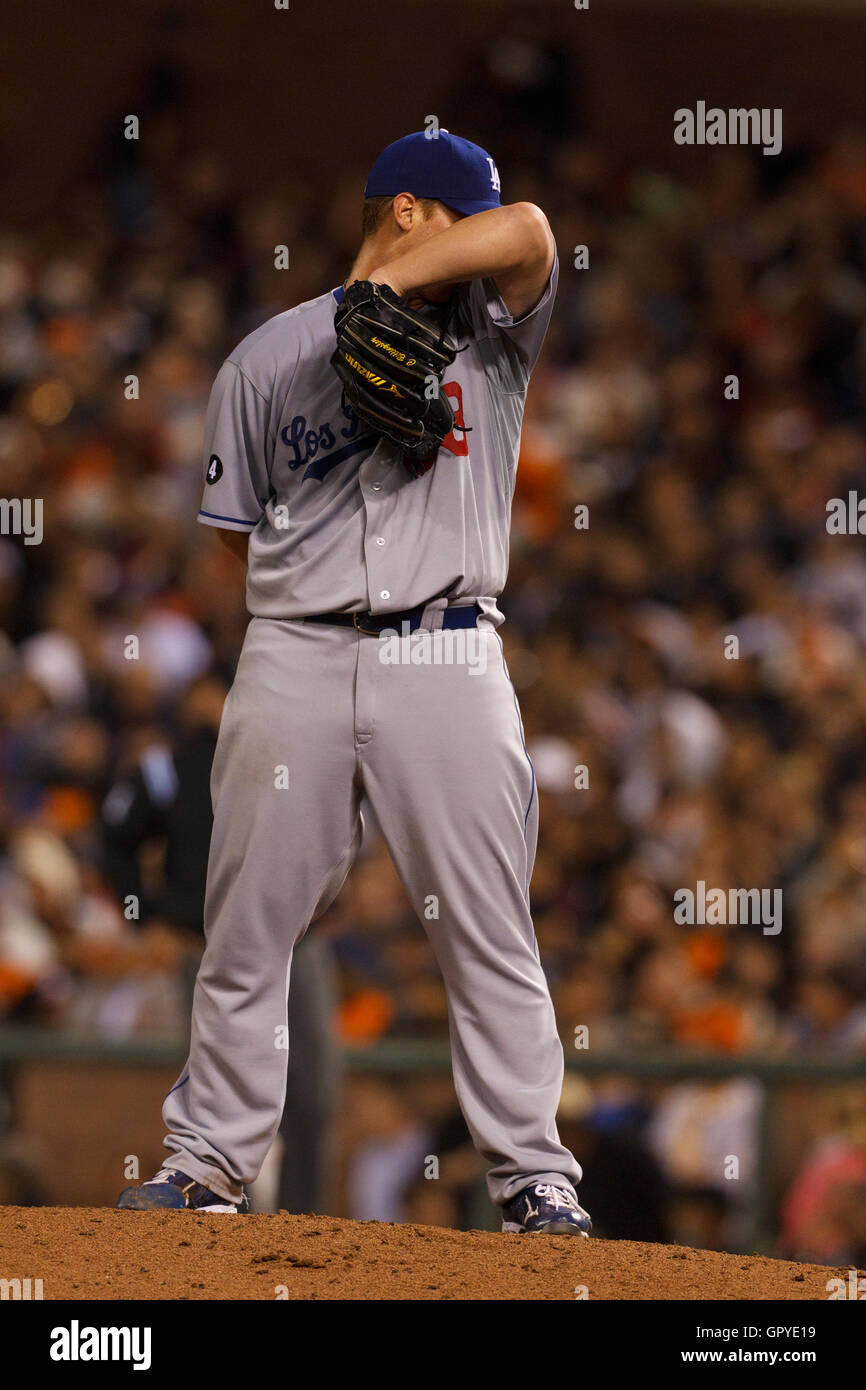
x,y
85,1252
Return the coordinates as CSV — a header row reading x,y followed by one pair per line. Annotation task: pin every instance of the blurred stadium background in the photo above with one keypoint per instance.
x,y
707,516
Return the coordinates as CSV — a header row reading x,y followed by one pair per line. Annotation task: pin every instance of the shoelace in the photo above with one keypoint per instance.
x,y
557,1196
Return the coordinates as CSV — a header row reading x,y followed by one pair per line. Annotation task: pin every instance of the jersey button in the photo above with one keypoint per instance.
x,y
380,540
377,487
386,593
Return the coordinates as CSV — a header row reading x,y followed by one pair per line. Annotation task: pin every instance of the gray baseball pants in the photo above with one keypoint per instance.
x,y
317,717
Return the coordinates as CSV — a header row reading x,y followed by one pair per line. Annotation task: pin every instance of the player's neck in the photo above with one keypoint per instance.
x,y
374,253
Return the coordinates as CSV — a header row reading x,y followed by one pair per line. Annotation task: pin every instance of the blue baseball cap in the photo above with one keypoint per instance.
x,y
437,165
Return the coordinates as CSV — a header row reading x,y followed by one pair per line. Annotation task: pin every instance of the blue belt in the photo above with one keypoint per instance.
x,y
373,624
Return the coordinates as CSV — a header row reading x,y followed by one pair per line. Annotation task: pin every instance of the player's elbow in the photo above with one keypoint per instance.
x,y
533,236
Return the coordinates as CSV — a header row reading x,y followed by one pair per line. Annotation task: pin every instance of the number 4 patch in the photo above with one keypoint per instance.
x,y
214,469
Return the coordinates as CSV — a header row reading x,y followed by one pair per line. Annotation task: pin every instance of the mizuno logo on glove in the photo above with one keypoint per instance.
x,y
371,376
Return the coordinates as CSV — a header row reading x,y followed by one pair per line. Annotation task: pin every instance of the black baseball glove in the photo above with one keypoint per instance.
x,y
391,360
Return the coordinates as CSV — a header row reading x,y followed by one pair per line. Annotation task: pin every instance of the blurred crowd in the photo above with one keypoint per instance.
x,y
701,397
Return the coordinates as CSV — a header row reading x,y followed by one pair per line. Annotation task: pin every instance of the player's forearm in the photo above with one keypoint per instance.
x,y
497,243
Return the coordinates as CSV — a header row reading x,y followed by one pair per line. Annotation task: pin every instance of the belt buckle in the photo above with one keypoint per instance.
x,y
367,631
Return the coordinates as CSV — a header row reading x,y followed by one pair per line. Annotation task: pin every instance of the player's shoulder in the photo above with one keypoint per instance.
x,y
277,344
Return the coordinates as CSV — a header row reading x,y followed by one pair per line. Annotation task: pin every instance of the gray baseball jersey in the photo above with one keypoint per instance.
x,y
335,525
322,717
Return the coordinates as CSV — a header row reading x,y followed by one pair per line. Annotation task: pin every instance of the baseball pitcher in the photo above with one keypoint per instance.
x,y
360,455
